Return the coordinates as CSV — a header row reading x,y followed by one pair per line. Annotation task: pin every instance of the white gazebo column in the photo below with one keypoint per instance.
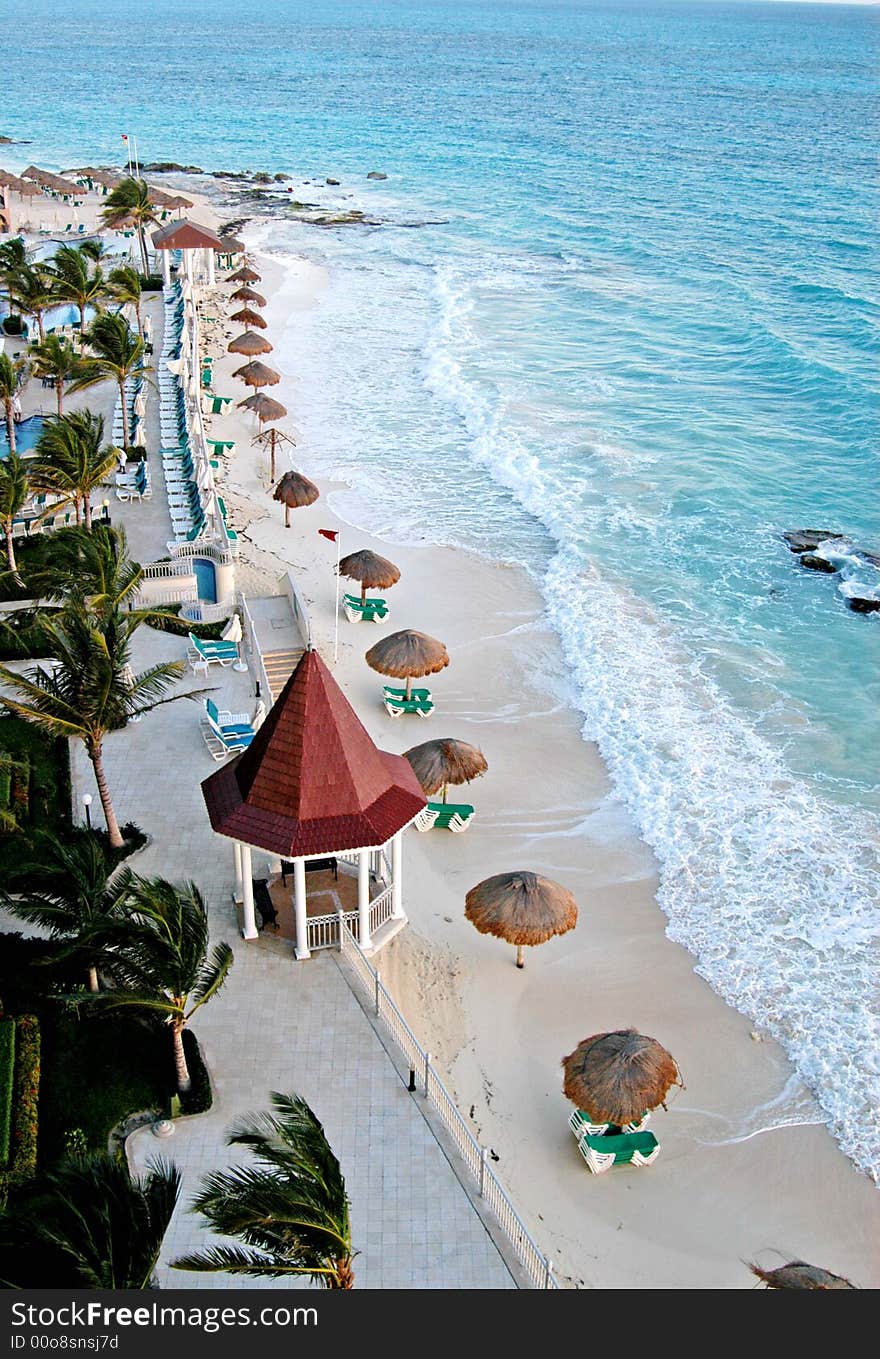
x,y
364,899
250,930
397,912
236,855
166,267
299,909
210,254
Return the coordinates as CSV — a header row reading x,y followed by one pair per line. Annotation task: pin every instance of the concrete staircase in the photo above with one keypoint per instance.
x,y
279,666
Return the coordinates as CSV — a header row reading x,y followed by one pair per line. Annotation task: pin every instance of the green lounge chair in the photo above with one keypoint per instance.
x,y
424,695
364,611
201,654
616,1149
221,445
580,1123
396,707
445,816
217,404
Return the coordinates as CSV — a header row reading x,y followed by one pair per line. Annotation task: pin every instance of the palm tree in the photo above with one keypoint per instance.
x,y
71,459
55,358
119,354
89,690
31,290
64,887
97,251
128,204
291,1210
91,566
170,971
14,492
89,1224
125,287
13,257
74,281
12,377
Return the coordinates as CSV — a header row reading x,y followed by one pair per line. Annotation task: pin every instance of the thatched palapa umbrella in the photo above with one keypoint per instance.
x,y
798,1274
257,375
245,275
407,655
523,908
246,294
273,439
263,407
246,317
295,492
372,571
616,1077
436,764
249,344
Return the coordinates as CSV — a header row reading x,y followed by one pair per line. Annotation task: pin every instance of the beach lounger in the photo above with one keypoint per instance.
x,y
424,695
615,1149
202,654
225,733
221,445
396,707
581,1125
366,611
445,816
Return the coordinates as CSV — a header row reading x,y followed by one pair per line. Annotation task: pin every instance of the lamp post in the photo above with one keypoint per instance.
x,y
87,803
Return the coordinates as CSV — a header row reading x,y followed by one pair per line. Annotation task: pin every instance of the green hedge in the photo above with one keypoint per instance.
x,y
198,1098
25,1106
7,1070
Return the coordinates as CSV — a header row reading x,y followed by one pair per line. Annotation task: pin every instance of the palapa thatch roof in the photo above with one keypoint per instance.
x,y
233,246
246,294
257,375
616,1077
246,317
161,199
109,177
295,491
522,907
250,343
407,654
245,275
446,760
24,187
798,1274
264,407
49,180
372,571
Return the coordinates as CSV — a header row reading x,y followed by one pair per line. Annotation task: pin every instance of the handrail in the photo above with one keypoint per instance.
x,y
249,639
538,1266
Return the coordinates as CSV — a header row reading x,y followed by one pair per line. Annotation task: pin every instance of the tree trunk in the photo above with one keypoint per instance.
x,y
10,551
287,516
344,1276
143,240
82,317
97,759
137,312
184,1084
77,509
124,414
39,316
10,424
93,979
87,510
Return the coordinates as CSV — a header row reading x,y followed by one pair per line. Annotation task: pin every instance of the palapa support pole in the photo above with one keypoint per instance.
x,y
336,620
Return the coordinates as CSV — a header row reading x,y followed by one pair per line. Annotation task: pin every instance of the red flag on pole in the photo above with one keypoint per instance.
x,y
332,534
123,136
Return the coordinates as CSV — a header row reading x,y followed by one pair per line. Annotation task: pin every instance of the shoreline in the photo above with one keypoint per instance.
x,y
454,985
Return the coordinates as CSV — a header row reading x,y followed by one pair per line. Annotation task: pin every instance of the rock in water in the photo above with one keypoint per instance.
x,y
334,182
377,174
814,563
859,604
807,540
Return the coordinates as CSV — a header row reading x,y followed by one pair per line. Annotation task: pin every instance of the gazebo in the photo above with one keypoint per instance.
x,y
190,238
311,786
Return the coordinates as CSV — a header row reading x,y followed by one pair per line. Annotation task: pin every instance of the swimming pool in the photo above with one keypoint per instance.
x,y
66,315
27,432
206,579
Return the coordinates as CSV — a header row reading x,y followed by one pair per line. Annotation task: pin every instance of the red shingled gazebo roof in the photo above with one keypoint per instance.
x,y
312,782
186,235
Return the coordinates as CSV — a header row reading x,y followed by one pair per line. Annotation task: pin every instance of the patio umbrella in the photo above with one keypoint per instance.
x,y
615,1077
295,492
523,908
438,763
372,571
407,655
249,344
798,1274
246,294
246,317
257,375
263,406
273,439
140,404
245,275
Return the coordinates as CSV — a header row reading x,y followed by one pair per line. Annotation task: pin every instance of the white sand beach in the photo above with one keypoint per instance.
x,y
747,1170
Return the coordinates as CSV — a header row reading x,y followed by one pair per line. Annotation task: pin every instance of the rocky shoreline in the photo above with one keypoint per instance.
x,y
823,550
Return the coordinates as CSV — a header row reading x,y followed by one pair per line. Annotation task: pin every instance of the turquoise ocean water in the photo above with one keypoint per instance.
x,y
620,324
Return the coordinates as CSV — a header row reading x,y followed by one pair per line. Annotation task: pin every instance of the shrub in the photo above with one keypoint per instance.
x,y
198,1098
7,1071
151,283
25,1106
